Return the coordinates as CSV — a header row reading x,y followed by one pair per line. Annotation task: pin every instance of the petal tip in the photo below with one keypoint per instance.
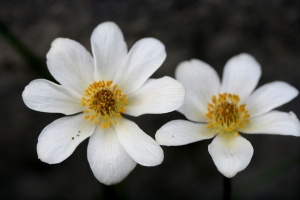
x,y
106,27
230,155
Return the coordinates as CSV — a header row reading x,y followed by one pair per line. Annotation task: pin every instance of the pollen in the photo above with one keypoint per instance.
x,y
104,103
226,116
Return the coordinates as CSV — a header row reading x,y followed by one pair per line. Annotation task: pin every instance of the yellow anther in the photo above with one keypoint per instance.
x,y
104,102
226,115
115,86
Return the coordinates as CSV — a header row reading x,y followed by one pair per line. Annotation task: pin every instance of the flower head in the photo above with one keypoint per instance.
x,y
225,110
99,90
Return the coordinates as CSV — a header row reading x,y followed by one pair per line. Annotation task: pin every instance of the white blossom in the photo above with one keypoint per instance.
x,y
225,110
95,92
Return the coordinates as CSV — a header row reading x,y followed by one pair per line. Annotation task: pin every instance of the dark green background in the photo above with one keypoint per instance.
x,y
210,30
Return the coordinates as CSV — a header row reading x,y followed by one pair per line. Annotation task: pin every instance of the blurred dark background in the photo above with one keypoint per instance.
x,y
210,30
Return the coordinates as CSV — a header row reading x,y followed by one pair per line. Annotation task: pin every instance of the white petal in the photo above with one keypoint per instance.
x,y
59,139
70,64
274,122
270,96
144,58
201,82
108,160
181,132
230,155
109,50
241,75
45,96
140,146
156,96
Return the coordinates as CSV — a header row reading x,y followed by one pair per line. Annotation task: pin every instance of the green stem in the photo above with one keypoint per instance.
x,y
36,63
264,177
114,192
226,188
109,192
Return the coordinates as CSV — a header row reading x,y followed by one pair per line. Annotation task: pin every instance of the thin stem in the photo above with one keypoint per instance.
x,y
114,192
226,188
35,62
109,192
264,177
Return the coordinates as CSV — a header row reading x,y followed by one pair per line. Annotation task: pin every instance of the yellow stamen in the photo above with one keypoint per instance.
x,y
104,102
226,115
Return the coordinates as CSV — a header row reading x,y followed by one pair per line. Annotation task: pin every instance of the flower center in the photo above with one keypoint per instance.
x,y
226,116
104,103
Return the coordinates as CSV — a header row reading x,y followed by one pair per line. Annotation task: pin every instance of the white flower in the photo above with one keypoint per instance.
x,y
100,89
227,109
